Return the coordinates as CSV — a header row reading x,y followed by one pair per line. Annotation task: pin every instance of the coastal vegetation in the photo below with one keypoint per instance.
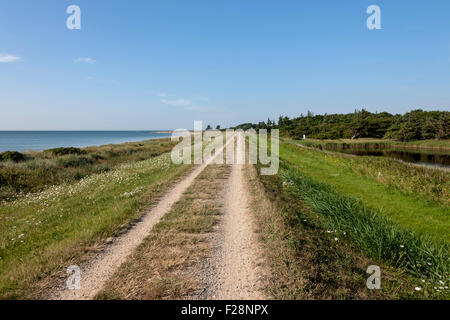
x,y
307,259
22,173
44,232
392,213
430,184
13,156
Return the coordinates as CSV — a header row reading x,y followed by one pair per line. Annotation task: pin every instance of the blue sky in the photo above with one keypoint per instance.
x,y
146,64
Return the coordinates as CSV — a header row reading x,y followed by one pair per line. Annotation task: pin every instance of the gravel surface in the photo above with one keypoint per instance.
x,y
232,271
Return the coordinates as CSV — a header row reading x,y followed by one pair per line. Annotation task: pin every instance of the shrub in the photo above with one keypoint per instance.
x,y
65,151
111,154
96,156
102,168
73,161
12,155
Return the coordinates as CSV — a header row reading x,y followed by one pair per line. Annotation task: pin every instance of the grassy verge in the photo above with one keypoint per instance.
x,y
159,268
401,201
41,234
35,171
377,218
372,233
387,224
306,261
431,184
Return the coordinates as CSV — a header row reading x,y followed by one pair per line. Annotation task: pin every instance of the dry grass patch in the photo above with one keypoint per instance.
x,y
285,280
158,269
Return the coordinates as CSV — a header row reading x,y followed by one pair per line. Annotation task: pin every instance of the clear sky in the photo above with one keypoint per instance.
x,y
145,64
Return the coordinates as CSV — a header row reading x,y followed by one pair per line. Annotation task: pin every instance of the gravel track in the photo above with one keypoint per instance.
x,y
96,272
232,272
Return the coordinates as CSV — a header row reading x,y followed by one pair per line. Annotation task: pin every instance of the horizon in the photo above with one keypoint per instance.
x,y
206,124
167,64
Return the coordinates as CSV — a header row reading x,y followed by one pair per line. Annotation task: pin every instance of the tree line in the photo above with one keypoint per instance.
x,y
414,125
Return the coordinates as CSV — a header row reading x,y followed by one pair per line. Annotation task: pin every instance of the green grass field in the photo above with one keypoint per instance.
x,y
388,222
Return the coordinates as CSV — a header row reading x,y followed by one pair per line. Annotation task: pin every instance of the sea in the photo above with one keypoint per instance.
x,y
42,140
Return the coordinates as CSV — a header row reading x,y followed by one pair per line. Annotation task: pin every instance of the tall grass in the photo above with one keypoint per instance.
x,y
370,231
42,233
39,170
430,183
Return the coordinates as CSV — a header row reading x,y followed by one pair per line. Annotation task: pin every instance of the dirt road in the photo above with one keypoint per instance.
x,y
233,269
96,272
